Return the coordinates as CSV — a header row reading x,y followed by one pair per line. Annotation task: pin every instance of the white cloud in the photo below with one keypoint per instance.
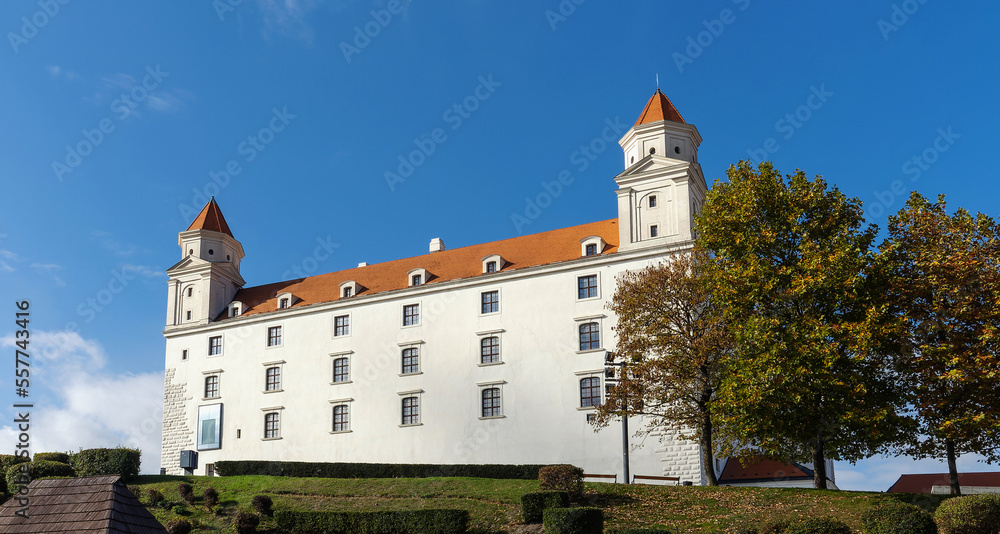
x,y
58,72
8,255
110,244
5,267
145,271
80,406
287,18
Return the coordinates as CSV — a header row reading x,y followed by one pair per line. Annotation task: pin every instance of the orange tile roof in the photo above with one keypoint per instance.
x,y
760,470
466,262
659,108
923,483
211,218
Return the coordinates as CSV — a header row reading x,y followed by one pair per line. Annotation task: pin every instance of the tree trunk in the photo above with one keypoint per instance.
x,y
819,463
707,458
952,467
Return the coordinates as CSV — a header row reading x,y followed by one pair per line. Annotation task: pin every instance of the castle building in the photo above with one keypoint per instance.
x,y
491,353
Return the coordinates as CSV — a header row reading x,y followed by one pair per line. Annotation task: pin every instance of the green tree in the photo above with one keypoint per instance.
x,y
674,342
946,289
795,274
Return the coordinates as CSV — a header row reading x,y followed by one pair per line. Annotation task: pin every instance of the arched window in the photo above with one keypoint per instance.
x,y
590,336
590,392
489,350
272,425
491,402
211,386
411,411
411,360
341,418
341,370
272,379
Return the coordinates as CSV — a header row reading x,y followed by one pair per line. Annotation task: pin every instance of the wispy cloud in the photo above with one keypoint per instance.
x,y
49,269
145,271
287,18
107,242
162,99
58,72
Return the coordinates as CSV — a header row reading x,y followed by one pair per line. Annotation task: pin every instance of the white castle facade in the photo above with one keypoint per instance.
x,y
487,354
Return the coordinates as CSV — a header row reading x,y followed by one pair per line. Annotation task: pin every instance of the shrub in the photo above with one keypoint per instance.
x,y
359,470
35,470
573,521
95,462
210,497
136,491
971,514
895,517
428,521
60,457
186,492
245,522
775,526
818,525
7,460
533,504
262,503
179,527
153,496
564,477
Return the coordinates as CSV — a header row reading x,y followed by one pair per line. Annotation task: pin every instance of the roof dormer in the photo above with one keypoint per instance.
x,y
493,263
235,309
286,300
349,288
592,246
417,277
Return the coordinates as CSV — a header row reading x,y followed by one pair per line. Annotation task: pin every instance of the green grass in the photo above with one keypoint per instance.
x,y
494,505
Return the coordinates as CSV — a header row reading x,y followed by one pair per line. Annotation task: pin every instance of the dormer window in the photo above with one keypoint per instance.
x,y
283,303
493,263
285,300
349,289
652,201
235,308
418,277
592,246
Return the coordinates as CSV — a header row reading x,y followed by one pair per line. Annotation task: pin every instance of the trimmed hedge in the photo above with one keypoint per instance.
x,y
36,470
407,521
970,514
895,517
353,470
585,520
563,477
533,504
7,460
96,462
60,457
818,525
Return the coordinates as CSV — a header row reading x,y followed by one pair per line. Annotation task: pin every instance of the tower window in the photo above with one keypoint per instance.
x,y
652,201
188,316
491,402
215,345
190,291
490,301
654,231
489,350
210,252
341,370
184,354
677,150
341,325
190,252
652,150
341,418
411,411
274,336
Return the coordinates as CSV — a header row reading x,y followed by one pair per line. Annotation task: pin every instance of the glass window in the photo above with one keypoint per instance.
x,y
274,336
411,314
411,360
341,370
283,303
652,201
184,354
416,280
590,336
341,418
272,425
188,316
411,411
590,392
489,350
654,231
592,249
341,325
491,301
214,345
209,427
491,402
347,291
272,380
587,286
190,291
211,386
491,266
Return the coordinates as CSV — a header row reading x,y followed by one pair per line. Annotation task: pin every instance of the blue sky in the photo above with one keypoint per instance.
x,y
120,119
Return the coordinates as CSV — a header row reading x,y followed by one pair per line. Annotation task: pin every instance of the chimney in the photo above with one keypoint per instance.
x,y
437,245
363,264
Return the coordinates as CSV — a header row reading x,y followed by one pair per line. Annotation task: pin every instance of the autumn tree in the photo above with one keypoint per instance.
x,y
791,272
946,287
673,341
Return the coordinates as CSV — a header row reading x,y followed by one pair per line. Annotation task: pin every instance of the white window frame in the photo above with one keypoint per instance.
x,y
576,289
263,431
286,295
418,344
592,240
480,336
222,346
346,402
355,288
235,309
349,324
280,364
499,300
267,336
419,394
500,263
483,386
424,277
592,373
206,413
334,356
584,319
402,314
205,374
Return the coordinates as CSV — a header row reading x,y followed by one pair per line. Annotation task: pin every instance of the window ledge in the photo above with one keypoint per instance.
x,y
409,425
493,417
338,383
588,351
272,391
489,364
578,299
340,432
217,397
588,408
278,346
411,374
270,439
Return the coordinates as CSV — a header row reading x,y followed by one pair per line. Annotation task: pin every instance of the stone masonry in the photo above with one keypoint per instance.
x,y
176,434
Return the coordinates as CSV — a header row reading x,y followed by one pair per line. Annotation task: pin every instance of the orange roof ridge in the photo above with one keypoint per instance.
x,y
659,108
211,218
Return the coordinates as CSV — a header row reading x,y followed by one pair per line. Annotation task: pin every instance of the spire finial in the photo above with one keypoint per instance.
x,y
657,81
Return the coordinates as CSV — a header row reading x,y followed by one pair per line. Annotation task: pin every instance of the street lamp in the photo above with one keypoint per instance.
x,y
609,376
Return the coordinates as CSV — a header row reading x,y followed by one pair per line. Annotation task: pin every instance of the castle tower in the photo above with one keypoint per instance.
x,y
204,282
662,186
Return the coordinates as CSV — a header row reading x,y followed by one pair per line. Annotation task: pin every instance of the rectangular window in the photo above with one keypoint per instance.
x,y
341,370
283,303
590,392
491,266
210,470
591,417
184,354
272,425
411,411
592,249
348,291
341,418
654,231
214,345
211,386
491,402
272,379
411,360
491,301
652,201
489,350
274,336
587,286
209,427
590,336
416,280
411,314
341,325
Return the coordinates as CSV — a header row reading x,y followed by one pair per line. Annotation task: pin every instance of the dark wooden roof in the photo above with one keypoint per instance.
x,y
923,483
88,505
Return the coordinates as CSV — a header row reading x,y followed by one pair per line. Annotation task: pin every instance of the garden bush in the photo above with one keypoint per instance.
x,y
245,522
359,470
533,504
210,497
573,521
262,503
818,525
179,527
568,478
186,492
969,514
7,460
427,521
153,496
60,457
96,462
895,517
35,470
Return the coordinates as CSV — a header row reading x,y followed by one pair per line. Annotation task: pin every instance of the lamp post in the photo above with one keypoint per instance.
x,y
609,376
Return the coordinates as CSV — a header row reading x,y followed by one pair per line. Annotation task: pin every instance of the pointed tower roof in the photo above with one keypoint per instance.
x,y
659,108
211,218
